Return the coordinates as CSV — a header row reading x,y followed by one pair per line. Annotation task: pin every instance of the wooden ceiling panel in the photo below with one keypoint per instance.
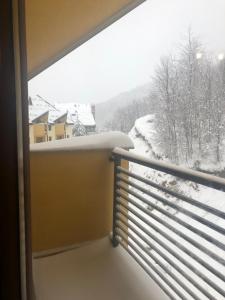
x,y
56,27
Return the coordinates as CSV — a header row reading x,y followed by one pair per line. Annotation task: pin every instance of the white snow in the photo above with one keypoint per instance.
x,y
74,111
77,110
146,143
108,140
55,114
38,101
35,112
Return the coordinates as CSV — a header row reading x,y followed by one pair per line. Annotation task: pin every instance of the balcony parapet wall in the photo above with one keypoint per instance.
x,y
104,141
72,190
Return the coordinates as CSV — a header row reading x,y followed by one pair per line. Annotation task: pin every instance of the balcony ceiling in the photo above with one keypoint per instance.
x,y
56,27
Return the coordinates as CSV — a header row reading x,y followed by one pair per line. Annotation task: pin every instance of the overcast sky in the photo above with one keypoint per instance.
x,y
124,55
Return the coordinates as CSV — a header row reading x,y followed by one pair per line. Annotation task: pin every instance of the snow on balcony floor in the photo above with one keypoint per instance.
x,y
94,271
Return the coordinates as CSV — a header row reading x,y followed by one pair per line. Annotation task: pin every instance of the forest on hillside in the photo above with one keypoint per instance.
x,y
187,97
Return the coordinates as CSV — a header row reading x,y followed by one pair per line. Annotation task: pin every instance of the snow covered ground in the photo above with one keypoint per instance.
x,y
184,241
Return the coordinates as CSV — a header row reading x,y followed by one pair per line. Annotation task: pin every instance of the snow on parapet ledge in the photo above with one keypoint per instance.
x,y
108,140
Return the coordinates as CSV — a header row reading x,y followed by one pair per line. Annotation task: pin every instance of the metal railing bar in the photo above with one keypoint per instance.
x,y
179,221
157,261
158,251
189,200
139,227
181,247
154,278
182,210
157,271
184,173
117,163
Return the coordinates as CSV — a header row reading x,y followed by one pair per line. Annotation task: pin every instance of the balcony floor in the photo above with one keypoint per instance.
x,y
94,271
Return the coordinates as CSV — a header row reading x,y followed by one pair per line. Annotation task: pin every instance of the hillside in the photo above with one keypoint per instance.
x,y
105,110
146,143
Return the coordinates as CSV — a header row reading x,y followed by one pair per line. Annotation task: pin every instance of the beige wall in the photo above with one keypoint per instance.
x,y
69,129
38,131
31,134
51,133
71,197
54,28
60,130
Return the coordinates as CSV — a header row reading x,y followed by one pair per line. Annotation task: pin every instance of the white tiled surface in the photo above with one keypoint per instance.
x,y
93,272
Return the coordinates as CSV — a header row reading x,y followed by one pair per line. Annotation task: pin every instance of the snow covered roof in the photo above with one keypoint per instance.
x,y
75,111
108,140
35,112
55,114
82,112
38,101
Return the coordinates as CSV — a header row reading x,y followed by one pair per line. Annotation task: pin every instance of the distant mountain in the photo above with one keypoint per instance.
x,y
104,111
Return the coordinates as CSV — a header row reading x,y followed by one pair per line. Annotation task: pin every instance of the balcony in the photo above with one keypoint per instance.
x,y
82,189
93,271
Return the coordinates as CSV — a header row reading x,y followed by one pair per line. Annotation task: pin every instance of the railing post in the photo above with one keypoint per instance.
x,y
117,163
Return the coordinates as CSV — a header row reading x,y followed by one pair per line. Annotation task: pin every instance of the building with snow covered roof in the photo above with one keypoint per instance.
x,y
56,121
79,113
38,119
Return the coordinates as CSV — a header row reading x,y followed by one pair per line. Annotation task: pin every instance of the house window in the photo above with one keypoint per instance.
x,y
39,139
49,138
59,137
49,127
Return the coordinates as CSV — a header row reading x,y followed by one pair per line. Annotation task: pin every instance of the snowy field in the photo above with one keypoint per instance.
x,y
192,248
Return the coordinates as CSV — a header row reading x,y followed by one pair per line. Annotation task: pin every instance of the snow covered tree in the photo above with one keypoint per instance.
x,y
165,89
123,119
78,128
190,102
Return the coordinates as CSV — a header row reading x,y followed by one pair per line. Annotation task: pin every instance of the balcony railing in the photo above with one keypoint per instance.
x,y
183,252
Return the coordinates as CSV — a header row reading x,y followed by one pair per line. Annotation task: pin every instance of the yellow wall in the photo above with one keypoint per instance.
x,y
39,130
69,130
59,130
71,197
31,134
51,133
54,28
